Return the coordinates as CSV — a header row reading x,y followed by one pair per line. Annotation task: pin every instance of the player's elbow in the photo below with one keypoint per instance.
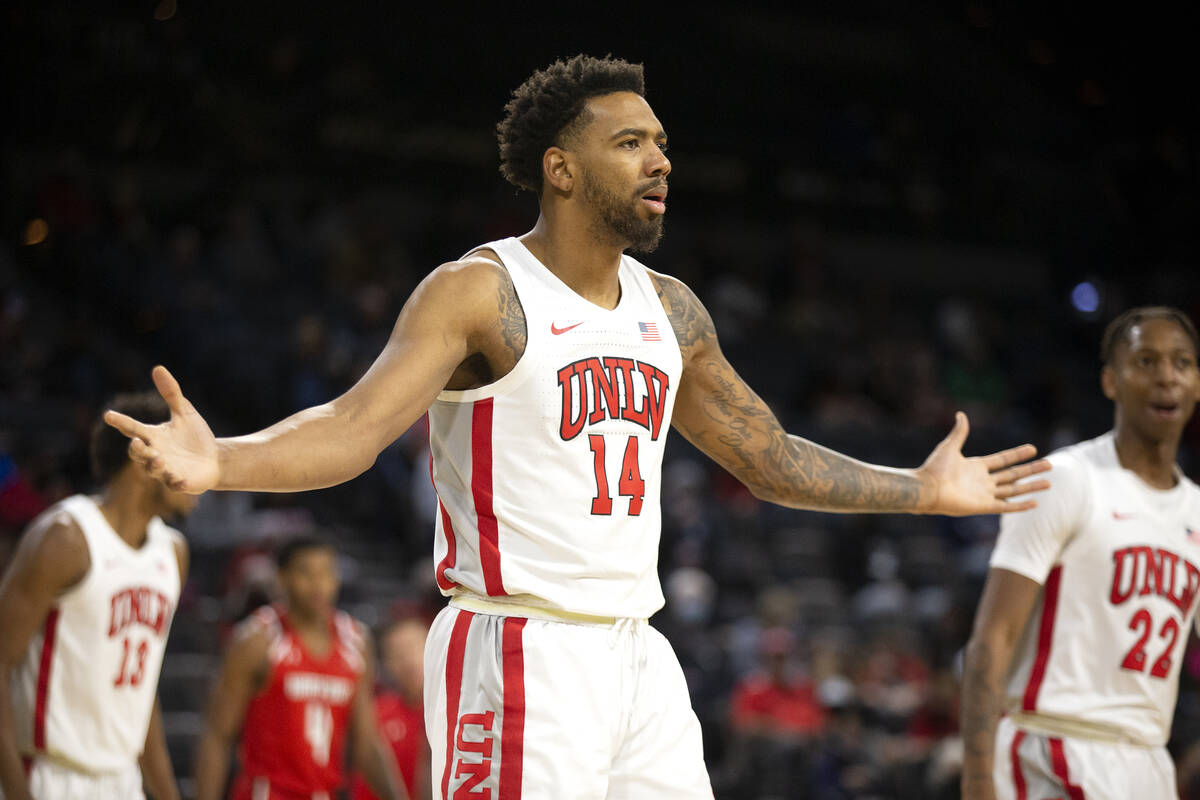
x,y
765,491
988,652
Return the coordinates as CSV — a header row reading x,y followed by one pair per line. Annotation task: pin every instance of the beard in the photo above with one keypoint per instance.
x,y
617,219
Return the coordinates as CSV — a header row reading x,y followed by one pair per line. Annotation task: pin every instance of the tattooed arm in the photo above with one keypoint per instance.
x,y
722,416
1004,609
462,323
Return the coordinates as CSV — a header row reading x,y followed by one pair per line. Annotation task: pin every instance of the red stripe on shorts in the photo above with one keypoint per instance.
x,y
1058,760
455,655
1045,638
451,556
512,732
1018,776
481,490
43,680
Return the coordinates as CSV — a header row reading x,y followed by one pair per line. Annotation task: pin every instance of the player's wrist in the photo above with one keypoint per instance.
x,y
223,463
928,492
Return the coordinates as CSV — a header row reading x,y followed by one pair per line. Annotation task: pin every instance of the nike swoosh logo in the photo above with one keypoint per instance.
x,y
560,331
1119,515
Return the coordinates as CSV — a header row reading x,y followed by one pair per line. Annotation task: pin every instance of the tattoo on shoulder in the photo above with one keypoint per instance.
x,y
512,316
689,318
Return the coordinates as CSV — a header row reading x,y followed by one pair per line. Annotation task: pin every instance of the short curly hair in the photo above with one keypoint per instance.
x,y
109,448
1118,330
550,104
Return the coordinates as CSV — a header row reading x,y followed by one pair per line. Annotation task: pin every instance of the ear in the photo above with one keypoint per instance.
x,y
557,169
1108,382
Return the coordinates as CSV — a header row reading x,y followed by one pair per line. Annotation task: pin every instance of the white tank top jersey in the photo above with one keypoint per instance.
x,y
1119,562
84,694
548,479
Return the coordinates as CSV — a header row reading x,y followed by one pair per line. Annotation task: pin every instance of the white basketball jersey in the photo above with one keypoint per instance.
x,y
85,692
1120,566
548,479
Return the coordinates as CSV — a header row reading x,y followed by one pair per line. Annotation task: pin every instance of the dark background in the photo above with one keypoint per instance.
x,y
893,210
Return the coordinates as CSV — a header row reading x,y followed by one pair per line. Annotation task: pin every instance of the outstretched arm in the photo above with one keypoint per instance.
x,y
1007,602
442,323
721,415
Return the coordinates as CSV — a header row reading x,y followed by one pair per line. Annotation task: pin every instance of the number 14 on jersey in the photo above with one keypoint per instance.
x,y
629,482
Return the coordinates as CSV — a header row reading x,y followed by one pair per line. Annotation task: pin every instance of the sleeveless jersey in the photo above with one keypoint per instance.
x,y
548,479
294,735
1120,566
85,692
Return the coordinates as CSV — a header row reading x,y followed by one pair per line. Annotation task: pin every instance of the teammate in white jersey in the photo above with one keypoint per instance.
x,y
1091,596
551,366
86,605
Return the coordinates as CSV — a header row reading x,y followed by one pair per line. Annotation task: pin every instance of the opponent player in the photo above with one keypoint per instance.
x,y
296,680
85,607
399,705
1086,610
551,367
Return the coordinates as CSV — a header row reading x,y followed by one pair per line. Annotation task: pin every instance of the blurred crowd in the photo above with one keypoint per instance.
x,y
822,651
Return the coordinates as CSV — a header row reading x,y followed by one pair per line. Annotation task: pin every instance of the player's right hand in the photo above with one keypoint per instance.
x,y
181,452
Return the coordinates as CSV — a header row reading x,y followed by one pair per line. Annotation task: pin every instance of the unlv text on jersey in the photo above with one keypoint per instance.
x,y
594,389
1145,570
141,605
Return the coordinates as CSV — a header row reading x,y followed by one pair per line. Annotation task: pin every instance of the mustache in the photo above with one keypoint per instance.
x,y
651,187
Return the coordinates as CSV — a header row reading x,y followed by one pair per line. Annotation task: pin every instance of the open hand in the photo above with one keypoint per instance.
x,y
961,486
181,452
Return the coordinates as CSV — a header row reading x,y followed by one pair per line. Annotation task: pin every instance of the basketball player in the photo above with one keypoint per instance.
x,y
296,680
551,367
1072,670
85,607
399,704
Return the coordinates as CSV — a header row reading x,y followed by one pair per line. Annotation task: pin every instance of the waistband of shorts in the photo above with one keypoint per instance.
x,y
62,762
1073,729
511,608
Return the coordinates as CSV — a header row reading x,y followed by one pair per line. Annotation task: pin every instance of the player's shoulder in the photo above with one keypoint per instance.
x,y
1088,456
470,283
480,265
257,631
1191,487
667,286
351,630
175,539
689,318
56,538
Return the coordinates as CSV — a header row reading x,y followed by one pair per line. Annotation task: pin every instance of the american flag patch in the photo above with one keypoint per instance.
x,y
649,332
1193,535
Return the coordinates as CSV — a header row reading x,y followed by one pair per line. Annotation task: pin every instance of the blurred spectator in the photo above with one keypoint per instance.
x,y
774,718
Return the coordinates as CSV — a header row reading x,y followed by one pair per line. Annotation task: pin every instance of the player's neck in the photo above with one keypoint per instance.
x,y
1151,460
126,504
313,627
576,257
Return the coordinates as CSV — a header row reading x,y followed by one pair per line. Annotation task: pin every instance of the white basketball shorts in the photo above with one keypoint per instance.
x,y
1033,766
49,780
521,707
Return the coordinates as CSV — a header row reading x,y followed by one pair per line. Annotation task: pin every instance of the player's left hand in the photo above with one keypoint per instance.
x,y
960,486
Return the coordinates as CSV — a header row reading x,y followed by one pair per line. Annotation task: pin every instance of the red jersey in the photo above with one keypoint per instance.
x,y
403,726
294,736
